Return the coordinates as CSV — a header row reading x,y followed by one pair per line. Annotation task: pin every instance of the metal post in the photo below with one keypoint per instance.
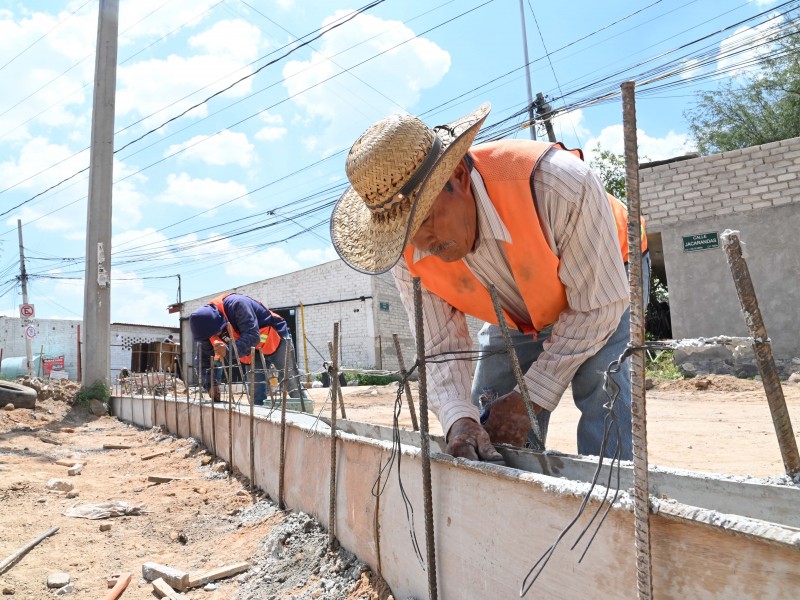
x,y
97,285
641,485
403,374
527,69
251,397
762,348
23,276
425,442
334,387
535,437
305,343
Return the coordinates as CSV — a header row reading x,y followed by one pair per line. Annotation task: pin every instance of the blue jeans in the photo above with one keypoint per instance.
x,y
278,360
494,373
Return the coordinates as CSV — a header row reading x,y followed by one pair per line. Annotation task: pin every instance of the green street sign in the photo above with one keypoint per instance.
x,y
700,241
384,306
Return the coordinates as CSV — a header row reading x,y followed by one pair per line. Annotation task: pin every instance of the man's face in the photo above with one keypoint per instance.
x,y
450,228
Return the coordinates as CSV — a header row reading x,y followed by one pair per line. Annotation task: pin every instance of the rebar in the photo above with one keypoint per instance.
x,y
213,408
334,348
641,485
425,442
252,416
282,464
404,379
762,348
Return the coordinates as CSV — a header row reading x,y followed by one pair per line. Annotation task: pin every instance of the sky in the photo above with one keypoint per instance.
x,y
233,117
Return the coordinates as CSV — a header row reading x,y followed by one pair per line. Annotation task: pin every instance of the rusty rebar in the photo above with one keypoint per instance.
x,y
425,442
641,484
762,348
230,410
334,349
338,388
282,459
213,409
535,440
404,377
251,398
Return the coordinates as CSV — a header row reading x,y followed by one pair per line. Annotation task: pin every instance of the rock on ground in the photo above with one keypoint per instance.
x,y
59,485
57,580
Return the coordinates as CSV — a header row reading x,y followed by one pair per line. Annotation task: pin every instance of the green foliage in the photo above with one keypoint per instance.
x,y
97,391
365,379
611,169
662,366
759,108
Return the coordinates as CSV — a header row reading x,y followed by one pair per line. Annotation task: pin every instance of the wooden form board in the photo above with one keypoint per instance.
x,y
492,523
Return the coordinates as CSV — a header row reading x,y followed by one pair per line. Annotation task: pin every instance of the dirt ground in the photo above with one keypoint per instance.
x,y
725,428
208,518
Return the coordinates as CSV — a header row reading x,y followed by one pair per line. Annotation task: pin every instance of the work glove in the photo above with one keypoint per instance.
x,y
468,439
506,420
220,350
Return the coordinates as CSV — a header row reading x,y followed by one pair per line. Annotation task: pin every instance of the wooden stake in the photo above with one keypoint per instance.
x,y
641,503
15,556
403,374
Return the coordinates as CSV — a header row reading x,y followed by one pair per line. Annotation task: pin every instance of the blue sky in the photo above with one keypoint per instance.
x,y
240,188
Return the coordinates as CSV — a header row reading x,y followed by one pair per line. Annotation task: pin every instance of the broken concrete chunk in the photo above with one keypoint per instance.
x,y
9,407
175,578
57,580
59,485
105,527
67,589
97,408
76,470
73,494
8,591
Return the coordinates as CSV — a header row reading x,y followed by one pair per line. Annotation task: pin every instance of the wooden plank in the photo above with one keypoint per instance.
x,y
167,478
154,454
163,590
65,462
217,574
116,447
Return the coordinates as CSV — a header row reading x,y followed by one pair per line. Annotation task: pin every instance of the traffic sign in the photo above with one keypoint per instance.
x,y
26,311
30,332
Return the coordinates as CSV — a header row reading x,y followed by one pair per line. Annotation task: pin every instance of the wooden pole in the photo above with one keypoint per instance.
x,y
334,395
406,386
641,503
425,442
762,348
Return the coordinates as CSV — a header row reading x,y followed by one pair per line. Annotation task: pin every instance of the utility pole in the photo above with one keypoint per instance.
x,y
527,70
23,276
546,114
97,284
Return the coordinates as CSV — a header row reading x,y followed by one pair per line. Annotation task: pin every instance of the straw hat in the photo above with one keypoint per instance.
x,y
396,168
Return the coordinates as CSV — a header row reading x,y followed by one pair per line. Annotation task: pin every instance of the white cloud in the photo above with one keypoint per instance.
x,y
155,18
202,194
763,2
225,148
345,106
285,4
134,300
274,129
743,38
568,125
611,138
235,38
263,264
690,68
316,256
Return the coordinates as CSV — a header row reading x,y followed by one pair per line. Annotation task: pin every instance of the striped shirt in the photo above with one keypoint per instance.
x,y
580,229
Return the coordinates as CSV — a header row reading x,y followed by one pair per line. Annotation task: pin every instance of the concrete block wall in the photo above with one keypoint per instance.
x,y
57,336
732,182
124,335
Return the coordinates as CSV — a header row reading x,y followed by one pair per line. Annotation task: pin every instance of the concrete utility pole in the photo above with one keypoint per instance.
x,y
23,276
527,69
97,284
546,113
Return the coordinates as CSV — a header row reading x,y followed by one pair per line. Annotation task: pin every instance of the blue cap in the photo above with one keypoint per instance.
x,y
205,322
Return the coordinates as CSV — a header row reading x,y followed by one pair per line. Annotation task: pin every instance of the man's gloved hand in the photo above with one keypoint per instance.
x,y
214,393
468,439
220,350
508,421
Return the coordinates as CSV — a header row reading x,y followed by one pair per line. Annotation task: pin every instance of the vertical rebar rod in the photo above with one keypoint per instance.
x,y
425,442
230,409
284,400
341,401
300,391
252,397
641,485
535,439
266,381
334,350
213,408
762,348
406,386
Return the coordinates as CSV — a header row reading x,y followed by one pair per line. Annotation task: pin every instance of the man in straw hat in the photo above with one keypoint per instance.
x,y
530,218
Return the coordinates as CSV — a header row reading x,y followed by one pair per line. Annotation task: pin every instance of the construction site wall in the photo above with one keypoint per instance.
x,y
754,190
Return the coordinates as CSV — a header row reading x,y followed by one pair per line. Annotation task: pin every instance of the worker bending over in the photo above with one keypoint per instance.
x,y
253,326
532,219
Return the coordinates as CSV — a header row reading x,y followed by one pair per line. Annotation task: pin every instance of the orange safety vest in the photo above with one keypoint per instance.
x,y
270,340
507,168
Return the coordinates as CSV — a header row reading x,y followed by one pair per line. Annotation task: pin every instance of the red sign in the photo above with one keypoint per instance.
x,y
55,363
26,311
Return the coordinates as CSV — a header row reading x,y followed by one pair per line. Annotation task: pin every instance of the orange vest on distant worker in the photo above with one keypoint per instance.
x,y
506,168
270,340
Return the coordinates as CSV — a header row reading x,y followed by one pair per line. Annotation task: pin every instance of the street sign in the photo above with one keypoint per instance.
x,y
30,332
700,241
26,311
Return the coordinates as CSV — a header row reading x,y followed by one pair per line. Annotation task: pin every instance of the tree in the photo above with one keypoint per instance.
x,y
611,169
756,109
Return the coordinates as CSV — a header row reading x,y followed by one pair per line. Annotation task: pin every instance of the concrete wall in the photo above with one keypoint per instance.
x,y
59,336
754,190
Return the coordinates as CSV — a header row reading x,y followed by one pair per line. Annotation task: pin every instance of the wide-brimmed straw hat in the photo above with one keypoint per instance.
x,y
396,168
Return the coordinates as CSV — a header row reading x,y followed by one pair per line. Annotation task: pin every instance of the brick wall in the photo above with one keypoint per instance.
x,y
721,184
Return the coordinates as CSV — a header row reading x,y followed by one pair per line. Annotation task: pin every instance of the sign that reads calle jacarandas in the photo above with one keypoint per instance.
x,y
700,241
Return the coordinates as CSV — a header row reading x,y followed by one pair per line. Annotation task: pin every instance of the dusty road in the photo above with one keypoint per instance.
x,y
724,429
